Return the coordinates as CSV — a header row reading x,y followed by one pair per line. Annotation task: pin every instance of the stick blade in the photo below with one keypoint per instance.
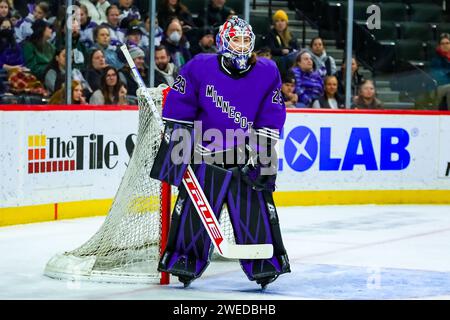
x,y
247,251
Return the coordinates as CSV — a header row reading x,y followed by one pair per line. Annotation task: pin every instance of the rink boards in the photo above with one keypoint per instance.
x,y
65,162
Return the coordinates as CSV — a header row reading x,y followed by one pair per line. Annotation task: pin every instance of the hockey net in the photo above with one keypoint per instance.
x,y
127,247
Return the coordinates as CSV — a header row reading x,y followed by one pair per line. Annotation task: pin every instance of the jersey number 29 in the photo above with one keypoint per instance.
x,y
180,84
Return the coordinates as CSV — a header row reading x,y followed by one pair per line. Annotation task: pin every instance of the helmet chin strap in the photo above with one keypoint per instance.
x,y
237,63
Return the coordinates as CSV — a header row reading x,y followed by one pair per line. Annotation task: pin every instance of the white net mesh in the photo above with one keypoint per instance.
x,y
126,248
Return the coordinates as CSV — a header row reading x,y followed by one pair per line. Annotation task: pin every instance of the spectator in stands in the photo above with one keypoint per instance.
x,y
55,74
79,51
357,79
281,42
288,92
308,83
24,30
330,98
96,9
77,93
123,97
280,39
165,71
440,71
87,27
206,44
145,44
128,10
367,97
11,55
37,49
59,97
116,33
177,45
110,85
159,33
134,35
103,42
217,13
94,71
15,18
264,52
137,54
325,64
170,9
5,9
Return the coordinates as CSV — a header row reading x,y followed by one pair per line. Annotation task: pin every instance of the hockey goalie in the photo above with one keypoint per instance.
x,y
216,94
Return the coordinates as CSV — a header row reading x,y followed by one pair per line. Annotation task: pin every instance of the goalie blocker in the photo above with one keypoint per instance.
x,y
252,211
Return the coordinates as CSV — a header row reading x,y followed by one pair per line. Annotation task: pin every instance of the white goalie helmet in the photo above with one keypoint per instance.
x,y
236,41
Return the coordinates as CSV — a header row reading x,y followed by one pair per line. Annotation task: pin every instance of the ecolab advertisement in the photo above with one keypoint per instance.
x,y
321,151
64,155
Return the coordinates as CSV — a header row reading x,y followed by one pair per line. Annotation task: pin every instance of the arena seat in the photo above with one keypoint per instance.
x,y
393,11
388,31
410,50
236,5
416,30
426,12
260,24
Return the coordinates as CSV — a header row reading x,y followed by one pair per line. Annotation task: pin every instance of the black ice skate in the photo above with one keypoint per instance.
x,y
186,280
265,281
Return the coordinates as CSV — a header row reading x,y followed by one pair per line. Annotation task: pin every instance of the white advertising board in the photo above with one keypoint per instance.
x,y
58,156
61,156
444,148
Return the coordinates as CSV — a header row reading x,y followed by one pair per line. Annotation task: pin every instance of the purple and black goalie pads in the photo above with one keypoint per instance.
x,y
175,153
255,220
252,214
189,246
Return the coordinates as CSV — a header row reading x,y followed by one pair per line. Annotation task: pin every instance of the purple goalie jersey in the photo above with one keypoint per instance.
x,y
207,91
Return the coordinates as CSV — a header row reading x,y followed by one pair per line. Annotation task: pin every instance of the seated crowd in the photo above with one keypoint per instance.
x,y
32,42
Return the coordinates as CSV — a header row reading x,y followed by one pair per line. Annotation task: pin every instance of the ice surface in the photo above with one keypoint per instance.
x,y
336,252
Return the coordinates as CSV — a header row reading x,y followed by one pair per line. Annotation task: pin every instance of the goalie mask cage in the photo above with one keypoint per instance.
x,y
128,245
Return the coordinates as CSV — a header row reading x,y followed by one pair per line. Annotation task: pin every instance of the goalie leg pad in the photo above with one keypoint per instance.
x,y
189,245
174,154
255,221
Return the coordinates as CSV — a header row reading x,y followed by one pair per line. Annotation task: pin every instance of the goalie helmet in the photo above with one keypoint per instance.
x,y
236,41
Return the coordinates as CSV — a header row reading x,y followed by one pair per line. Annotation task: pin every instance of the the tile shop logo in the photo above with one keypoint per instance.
x,y
54,154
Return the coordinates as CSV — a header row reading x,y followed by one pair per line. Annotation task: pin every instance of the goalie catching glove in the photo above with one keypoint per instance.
x,y
260,171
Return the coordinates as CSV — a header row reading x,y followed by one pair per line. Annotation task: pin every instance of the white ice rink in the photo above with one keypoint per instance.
x,y
336,252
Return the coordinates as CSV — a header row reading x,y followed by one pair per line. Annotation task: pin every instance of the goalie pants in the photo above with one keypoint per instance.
x,y
252,214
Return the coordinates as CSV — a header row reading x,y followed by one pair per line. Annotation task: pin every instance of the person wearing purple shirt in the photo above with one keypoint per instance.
x,y
308,83
11,55
229,91
208,89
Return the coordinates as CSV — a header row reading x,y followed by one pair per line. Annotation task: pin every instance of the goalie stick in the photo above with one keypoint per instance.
x,y
198,198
